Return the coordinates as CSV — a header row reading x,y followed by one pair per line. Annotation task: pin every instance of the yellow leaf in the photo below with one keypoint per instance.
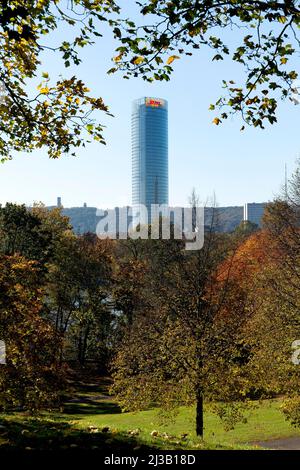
x,y
138,60
216,121
283,60
172,58
118,57
282,19
44,90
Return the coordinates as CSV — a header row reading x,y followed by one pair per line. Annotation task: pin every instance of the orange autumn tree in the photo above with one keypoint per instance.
x,y
239,271
256,251
264,348
31,377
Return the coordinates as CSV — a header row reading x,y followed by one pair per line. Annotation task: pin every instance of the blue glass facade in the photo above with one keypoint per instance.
x,y
150,183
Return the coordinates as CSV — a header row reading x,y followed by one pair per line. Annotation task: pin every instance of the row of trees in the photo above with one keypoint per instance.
x,y
220,322
173,327
53,304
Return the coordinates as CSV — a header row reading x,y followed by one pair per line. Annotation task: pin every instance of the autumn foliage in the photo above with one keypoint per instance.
x,y
32,373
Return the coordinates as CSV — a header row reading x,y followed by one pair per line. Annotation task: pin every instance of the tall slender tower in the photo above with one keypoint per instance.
x,y
150,182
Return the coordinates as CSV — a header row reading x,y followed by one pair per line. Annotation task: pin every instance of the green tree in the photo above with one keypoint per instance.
x,y
22,232
78,289
245,229
33,233
183,349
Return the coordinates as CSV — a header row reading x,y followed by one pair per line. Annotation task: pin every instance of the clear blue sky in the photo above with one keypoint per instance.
x,y
238,167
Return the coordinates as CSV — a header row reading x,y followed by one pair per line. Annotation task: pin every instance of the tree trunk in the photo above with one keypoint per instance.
x,y
84,345
199,413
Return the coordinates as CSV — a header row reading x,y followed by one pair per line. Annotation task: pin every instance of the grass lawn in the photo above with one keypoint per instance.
x,y
92,419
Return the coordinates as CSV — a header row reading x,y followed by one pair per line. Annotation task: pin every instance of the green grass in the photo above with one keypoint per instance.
x,y
264,423
92,407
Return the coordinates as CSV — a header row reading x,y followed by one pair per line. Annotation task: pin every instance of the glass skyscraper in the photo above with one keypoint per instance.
x,y
150,183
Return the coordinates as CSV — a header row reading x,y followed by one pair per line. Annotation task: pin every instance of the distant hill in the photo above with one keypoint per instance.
x,y
84,219
227,218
